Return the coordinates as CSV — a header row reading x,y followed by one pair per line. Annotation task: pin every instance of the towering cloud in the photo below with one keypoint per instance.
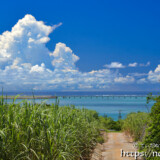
x,y
64,58
25,41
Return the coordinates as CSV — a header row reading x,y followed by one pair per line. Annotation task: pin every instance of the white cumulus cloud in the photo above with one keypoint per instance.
x,y
127,79
115,65
25,41
154,76
64,58
133,64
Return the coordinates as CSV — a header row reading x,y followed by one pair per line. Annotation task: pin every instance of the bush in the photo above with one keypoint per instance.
x,y
153,131
135,125
108,123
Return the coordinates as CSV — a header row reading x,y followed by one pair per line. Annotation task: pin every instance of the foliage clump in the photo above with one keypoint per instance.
x,y
31,131
135,125
108,123
151,140
145,128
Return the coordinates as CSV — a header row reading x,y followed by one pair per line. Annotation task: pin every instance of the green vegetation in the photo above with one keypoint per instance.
x,y
145,129
151,140
108,123
31,131
135,125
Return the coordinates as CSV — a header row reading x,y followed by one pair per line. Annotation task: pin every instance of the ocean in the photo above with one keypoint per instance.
x,y
112,104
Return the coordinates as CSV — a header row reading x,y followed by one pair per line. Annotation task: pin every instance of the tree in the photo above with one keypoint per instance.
x,y
152,138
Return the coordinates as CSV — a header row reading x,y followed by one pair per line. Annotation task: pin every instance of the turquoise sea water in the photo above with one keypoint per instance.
x,y
110,105
105,105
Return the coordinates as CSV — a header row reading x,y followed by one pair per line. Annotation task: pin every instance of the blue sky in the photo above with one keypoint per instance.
x,y
99,33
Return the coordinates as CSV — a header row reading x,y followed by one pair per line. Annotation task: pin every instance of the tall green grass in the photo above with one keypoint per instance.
x,y
145,128
135,125
30,131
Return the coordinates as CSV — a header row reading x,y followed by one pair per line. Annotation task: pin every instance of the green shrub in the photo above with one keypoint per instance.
x,y
153,131
100,139
135,125
108,123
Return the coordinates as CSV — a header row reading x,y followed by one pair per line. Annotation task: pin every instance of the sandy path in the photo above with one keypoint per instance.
x,y
111,150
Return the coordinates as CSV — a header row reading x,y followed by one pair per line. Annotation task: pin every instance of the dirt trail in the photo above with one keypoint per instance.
x,y
111,150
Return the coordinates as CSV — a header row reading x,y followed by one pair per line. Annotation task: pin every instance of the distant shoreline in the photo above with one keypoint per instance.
x,y
80,93
68,96
30,97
